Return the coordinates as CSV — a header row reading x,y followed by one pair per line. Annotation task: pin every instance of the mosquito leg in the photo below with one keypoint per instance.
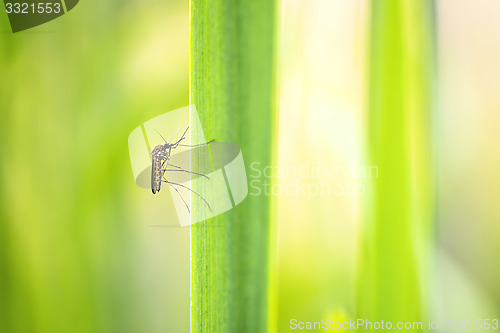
x,y
182,138
179,193
192,172
202,198
175,166
201,144
165,163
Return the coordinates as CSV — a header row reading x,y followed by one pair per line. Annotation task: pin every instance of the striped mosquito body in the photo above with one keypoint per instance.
x,y
160,157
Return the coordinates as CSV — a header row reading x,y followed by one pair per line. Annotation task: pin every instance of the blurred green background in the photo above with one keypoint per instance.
x,y
453,232
77,252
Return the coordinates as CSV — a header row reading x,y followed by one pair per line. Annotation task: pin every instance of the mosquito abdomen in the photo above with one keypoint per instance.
x,y
156,169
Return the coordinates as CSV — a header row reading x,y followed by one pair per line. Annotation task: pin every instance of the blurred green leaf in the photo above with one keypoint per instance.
x,y
399,217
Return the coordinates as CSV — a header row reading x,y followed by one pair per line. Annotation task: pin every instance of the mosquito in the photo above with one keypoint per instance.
x,y
160,163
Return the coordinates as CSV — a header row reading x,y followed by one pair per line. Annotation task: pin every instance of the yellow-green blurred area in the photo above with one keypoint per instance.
x,y
77,250
323,60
